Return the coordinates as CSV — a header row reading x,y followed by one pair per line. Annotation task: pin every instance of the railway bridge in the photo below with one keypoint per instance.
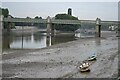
x,y
50,23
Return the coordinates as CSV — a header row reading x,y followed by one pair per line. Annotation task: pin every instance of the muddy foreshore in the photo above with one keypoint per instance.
x,y
63,60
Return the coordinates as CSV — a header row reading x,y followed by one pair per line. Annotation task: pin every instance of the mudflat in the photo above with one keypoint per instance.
x,y
63,60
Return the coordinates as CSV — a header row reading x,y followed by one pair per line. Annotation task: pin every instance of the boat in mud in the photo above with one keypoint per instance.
x,y
92,58
85,70
84,67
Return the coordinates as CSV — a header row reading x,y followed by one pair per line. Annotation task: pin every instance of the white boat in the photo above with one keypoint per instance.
x,y
85,70
84,67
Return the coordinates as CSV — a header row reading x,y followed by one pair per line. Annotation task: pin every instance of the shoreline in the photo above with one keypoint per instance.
x,y
57,45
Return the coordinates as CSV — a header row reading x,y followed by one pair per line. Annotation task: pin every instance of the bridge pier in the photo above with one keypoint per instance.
x,y
53,30
50,27
98,28
1,22
48,40
9,27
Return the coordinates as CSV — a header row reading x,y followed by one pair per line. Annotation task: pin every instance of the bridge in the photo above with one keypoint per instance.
x,y
49,22
54,21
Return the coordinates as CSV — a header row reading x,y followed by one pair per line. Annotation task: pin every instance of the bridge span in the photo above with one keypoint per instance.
x,y
53,21
49,22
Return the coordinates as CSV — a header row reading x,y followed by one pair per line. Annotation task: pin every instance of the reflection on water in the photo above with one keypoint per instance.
x,y
35,40
97,41
85,33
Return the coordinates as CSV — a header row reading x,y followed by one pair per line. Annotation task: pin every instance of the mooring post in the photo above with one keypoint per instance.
x,y
98,28
49,26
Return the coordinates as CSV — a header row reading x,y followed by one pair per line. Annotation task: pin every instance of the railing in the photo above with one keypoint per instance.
x,y
25,20
54,21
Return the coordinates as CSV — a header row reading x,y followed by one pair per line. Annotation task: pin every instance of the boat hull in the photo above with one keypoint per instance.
x,y
85,70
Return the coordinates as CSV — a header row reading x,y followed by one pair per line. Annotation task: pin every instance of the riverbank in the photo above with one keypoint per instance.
x,y
62,60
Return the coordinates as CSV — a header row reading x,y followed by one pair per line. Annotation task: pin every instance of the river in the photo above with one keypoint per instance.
x,y
36,39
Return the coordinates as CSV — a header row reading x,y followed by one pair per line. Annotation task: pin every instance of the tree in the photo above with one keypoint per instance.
x,y
28,17
5,12
37,17
66,27
65,17
39,25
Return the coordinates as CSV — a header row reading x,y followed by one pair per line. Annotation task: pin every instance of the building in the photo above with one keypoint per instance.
x,y
69,11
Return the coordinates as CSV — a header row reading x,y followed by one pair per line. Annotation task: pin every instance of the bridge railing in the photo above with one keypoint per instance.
x,y
25,20
60,21
55,21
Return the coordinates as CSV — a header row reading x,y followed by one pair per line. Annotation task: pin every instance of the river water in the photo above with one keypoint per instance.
x,y
35,40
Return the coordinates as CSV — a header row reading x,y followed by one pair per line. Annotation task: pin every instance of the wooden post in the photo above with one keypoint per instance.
x,y
98,28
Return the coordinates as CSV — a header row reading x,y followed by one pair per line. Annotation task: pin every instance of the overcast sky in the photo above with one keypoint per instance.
x,y
60,0
82,10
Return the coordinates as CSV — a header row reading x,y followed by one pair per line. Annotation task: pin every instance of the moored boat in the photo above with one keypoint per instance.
x,y
92,58
85,70
84,67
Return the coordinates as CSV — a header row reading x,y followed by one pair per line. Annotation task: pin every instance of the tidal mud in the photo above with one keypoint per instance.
x,y
62,60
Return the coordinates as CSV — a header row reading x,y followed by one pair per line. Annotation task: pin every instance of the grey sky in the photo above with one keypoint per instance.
x,y
60,0
82,10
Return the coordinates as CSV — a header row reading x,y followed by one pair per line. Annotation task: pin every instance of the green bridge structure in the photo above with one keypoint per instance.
x,y
50,22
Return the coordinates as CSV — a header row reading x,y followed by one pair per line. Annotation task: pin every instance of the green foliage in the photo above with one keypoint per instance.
x,y
5,12
37,17
39,25
5,25
28,17
65,17
12,26
66,27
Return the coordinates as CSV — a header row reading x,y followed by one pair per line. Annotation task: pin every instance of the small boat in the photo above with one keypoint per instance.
x,y
85,70
92,58
84,67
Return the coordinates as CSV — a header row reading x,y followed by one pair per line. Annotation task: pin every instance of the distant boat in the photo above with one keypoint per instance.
x,y
92,58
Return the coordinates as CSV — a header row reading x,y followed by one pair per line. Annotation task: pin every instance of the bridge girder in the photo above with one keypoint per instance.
x,y
57,21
